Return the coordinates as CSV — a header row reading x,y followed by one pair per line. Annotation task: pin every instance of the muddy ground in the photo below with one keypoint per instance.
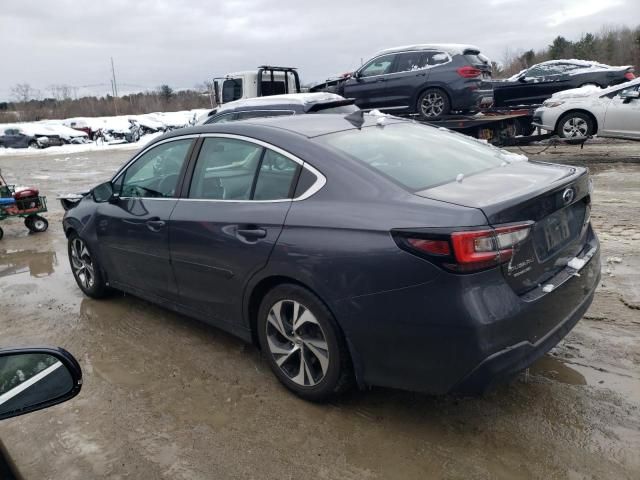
x,y
167,397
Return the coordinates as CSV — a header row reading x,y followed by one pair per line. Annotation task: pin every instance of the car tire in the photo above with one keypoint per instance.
x,y
85,268
36,223
433,104
576,127
33,144
303,344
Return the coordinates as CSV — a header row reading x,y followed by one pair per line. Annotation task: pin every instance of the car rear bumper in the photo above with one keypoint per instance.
x,y
462,333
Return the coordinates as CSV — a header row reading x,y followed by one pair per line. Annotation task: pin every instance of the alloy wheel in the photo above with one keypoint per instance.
x,y
82,263
432,105
297,343
575,127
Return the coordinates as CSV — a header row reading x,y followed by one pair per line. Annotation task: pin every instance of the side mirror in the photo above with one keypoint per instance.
x,y
103,192
35,378
629,96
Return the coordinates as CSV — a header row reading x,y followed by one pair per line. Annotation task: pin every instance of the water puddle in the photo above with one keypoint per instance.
x,y
36,264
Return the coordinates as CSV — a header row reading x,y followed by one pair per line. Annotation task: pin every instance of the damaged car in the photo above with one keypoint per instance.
x,y
537,83
428,80
580,113
28,136
354,249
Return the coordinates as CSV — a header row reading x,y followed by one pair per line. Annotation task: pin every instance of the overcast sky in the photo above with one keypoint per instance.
x,y
182,43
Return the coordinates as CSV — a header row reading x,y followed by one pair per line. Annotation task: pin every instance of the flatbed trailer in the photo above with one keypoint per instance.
x,y
497,126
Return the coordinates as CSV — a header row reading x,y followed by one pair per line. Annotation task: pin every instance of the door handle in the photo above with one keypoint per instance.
x,y
155,224
251,233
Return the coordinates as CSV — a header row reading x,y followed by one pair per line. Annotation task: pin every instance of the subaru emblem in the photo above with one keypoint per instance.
x,y
568,195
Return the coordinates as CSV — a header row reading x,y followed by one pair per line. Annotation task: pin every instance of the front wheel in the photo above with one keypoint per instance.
x,y
575,127
303,344
433,104
36,223
86,268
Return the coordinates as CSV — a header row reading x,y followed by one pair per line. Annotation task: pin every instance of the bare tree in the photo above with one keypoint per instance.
x,y
23,92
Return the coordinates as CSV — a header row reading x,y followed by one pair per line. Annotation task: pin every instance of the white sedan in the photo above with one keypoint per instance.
x,y
579,113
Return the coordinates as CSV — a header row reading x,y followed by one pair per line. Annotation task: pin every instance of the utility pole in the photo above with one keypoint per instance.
x,y
114,86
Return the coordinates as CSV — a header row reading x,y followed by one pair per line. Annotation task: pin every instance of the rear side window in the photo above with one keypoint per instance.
x,y
225,169
410,61
275,177
415,156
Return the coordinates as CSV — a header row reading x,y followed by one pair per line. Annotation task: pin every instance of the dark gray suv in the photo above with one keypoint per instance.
x,y
430,80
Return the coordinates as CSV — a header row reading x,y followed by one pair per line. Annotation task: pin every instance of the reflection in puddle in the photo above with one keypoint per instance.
x,y
37,264
552,368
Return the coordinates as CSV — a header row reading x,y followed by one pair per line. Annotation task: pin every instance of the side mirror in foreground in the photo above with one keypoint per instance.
x,y
36,378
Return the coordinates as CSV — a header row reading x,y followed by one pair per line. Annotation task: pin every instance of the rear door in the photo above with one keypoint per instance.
x,y
409,72
622,119
368,85
223,230
133,230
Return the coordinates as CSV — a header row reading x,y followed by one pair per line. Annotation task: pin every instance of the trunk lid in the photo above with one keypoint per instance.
x,y
554,197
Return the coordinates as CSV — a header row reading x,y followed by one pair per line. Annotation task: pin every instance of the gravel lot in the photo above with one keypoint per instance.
x,y
168,397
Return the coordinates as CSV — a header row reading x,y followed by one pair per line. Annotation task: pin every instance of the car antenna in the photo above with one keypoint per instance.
x,y
356,119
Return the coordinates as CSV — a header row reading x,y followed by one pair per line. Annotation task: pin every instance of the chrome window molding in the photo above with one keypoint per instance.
x,y
320,182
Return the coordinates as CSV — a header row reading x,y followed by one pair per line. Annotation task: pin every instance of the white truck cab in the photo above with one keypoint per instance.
x,y
266,80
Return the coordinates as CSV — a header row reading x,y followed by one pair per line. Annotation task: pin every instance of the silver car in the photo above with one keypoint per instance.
x,y
582,112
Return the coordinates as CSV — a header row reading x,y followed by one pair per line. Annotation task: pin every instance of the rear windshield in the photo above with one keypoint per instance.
x,y
475,58
416,156
338,109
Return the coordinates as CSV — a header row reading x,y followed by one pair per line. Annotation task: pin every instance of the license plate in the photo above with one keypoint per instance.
x,y
556,230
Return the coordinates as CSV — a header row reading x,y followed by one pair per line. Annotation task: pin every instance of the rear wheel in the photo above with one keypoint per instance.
x,y
433,104
303,344
33,144
86,268
36,223
575,126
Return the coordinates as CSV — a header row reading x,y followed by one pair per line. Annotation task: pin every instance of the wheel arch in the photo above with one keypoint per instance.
x,y
264,286
427,86
578,110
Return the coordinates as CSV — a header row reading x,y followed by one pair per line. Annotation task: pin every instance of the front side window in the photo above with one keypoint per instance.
x,y
225,169
275,178
231,90
156,172
227,117
378,66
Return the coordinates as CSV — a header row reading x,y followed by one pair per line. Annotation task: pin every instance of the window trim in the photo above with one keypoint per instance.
x,y
320,182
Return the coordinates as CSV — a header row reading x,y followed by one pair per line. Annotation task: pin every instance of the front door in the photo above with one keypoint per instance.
x,y
408,75
623,119
368,85
224,230
133,229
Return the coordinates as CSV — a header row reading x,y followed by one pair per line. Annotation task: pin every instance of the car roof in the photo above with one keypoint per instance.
x,y
302,100
450,48
305,125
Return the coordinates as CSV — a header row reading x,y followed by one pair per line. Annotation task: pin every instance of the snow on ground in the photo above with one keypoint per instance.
x,y
159,120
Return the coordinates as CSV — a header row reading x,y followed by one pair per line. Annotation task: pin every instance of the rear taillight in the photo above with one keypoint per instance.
x,y
469,250
629,76
469,72
485,248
